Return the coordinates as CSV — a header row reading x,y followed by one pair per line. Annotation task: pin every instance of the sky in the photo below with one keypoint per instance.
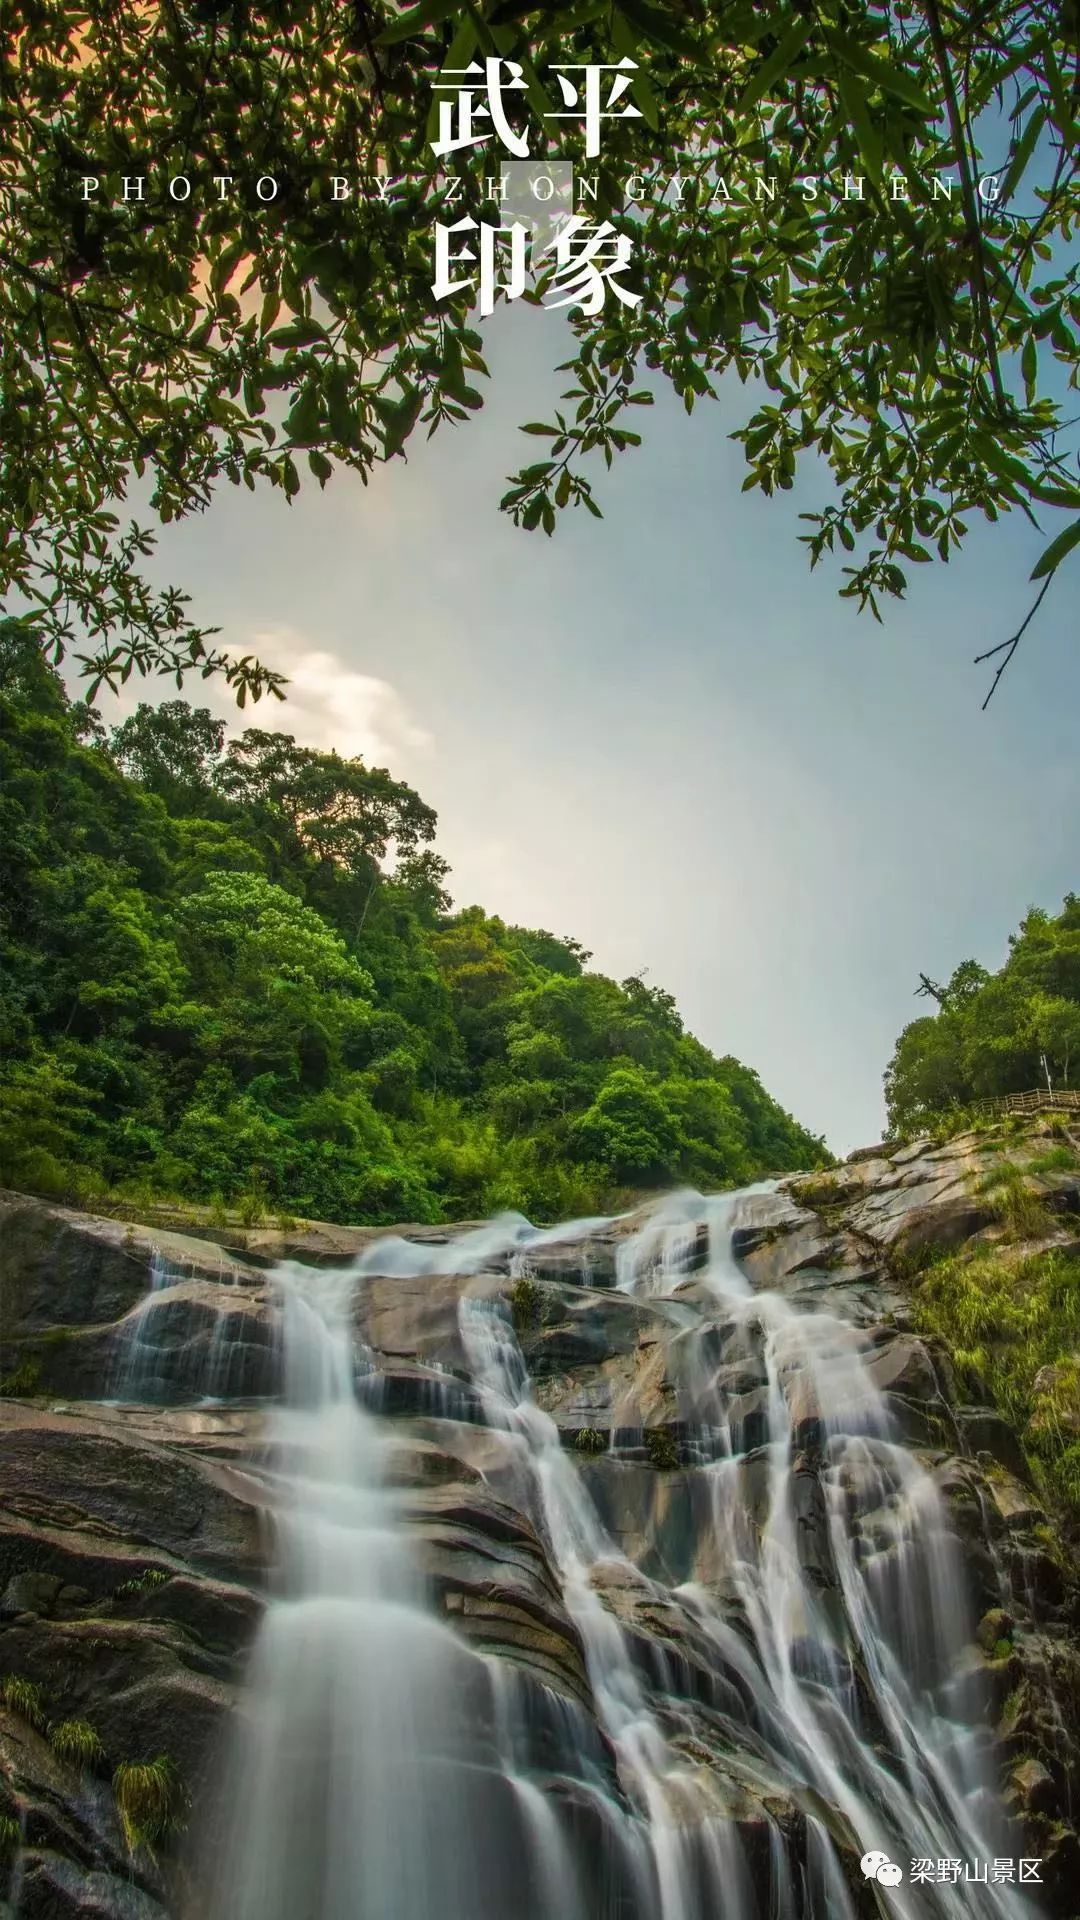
x,y
660,733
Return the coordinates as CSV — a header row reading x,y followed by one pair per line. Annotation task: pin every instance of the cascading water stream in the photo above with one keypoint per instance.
x,y
903,1627
379,1769
136,1360
663,1791
385,1770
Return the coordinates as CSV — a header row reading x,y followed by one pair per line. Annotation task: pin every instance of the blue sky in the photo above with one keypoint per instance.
x,y
662,734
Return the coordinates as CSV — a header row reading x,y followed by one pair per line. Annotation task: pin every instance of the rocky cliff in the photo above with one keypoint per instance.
x,y
137,1534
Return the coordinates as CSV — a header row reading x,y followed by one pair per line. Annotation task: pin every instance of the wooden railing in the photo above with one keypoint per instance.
x,y
1032,1102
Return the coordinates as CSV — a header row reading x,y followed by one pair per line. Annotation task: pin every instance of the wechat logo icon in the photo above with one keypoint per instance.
x,y
878,1866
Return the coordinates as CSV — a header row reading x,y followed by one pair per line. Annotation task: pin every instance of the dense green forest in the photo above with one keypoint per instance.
x,y
231,974
994,1033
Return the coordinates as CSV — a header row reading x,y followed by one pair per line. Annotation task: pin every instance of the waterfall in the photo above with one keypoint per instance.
x,y
893,1657
136,1360
191,1338
663,1791
382,1768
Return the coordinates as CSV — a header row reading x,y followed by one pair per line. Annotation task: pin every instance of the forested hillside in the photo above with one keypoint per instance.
x,y
994,1033
230,973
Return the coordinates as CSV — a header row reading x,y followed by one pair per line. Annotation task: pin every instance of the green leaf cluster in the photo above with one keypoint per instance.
x,y
921,349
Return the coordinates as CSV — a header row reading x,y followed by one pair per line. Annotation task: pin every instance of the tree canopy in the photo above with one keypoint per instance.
x,y
995,1033
920,346
229,973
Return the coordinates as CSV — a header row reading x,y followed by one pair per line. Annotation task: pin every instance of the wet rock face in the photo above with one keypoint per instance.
x,y
92,1489
61,1268
78,1303
132,1564
136,1540
74,1864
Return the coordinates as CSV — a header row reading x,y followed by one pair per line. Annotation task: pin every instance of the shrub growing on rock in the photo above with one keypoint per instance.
x,y
661,1448
526,1298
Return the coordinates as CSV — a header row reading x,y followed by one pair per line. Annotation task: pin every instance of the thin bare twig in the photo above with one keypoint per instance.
x,y
1008,647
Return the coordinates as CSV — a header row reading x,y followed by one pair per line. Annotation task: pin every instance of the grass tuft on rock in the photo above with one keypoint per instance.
x,y
24,1698
590,1440
22,1382
10,1836
1057,1159
1012,1322
77,1742
145,1582
1014,1201
150,1801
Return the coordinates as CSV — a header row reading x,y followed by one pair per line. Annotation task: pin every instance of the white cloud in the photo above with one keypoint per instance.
x,y
328,705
